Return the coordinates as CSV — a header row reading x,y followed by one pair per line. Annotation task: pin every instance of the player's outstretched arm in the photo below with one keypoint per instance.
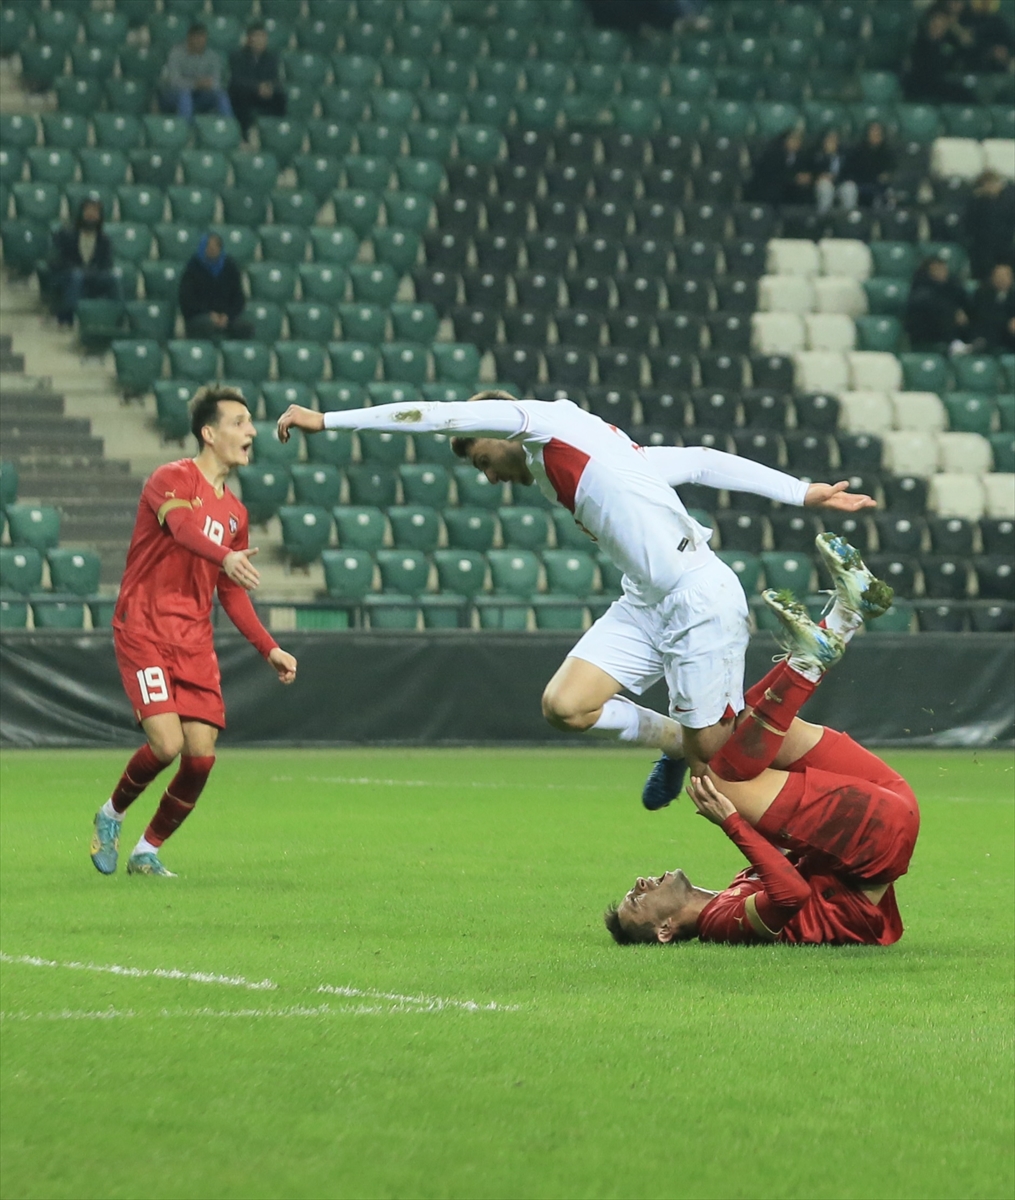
x,y
837,496
489,418
298,417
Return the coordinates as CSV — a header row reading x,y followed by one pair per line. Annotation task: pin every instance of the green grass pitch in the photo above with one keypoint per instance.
x,y
449,877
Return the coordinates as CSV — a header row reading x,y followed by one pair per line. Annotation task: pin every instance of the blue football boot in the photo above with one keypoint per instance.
x,y
664,782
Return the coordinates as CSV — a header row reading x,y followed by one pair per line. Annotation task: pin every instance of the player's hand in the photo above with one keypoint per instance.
x,y
710,803
837,496
284,664
295,416
240,570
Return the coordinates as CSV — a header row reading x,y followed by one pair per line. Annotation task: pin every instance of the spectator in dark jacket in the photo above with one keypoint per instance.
x,y
991,48
254,86
828,164
935,58
990,223
936,311
782,173
869,165
211,294
82,262
993,317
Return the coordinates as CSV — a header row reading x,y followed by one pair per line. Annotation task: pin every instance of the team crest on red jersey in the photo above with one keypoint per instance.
x,y
234,523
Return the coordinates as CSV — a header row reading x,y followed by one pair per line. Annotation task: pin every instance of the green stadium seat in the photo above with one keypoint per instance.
x,y
63,131
41,63
178,242
978,373
306,530
140,64
317,175
274,281
372,484
26,244
35,525
415,322
205,168
373,283
791,572
161,279
100,323
153,168
268,450
20,569
380,141
746,567
317,484
152,319
13,612
8,471
384,448
335,245
239,241
445,393
524,528
634,114
886,297
50,613
321,283
167,134
192,205
266,319
415,527
435,448
396,248
479,143
280,138
355,70
225,32
172,408
18,130
138,365
77,193
310,322
460,572
74,571
405,361
966,121
283,243
103,168
430,141
456,362
392,106
360,527
441,107
514,575
353,361
279,395
367,172
357,208
570,536
491,109
193,359
729,118
294,207
37,202
337,395
131,240
15,24
475,489
139,204
952,253
969,412
394,392
257,172
217,133
348,573
404,571
425,483
1003,447
918,122
302,361
343,104
469,527
878,333
246,360
330,446
924,372
898,619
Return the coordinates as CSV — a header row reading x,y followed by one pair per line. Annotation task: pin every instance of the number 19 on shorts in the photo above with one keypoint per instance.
x,y
152,683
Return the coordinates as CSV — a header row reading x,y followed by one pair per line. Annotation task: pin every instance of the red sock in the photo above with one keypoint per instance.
x,y
141,770
179,798
776,700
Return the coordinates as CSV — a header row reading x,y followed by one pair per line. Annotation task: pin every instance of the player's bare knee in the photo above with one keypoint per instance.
x,y
166,745
702,744
562,714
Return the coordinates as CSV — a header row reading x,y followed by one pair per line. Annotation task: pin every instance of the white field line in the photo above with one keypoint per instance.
x,y
436,783
30,960
295,1010
419,1003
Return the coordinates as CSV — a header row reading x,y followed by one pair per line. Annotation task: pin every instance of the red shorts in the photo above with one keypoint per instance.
x,y
161,678
853,827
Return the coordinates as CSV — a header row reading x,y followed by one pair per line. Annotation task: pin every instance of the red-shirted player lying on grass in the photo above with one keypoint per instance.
x,y
190,541
848,820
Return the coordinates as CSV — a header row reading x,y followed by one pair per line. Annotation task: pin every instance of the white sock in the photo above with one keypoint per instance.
x,y
843,621
108,810
626,721
144,846
807,670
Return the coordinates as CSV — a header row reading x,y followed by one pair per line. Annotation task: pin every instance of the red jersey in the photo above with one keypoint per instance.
x,y
182,534
778,899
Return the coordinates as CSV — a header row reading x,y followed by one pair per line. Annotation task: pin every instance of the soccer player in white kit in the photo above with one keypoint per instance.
x,y
683,613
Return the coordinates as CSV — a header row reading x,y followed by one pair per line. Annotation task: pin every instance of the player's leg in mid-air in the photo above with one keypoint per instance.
x,y
178,703
695,639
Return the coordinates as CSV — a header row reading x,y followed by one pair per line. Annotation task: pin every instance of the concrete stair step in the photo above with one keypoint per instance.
x,y
71,449
43,425
6,343
15,401
43,472
60,488
11,363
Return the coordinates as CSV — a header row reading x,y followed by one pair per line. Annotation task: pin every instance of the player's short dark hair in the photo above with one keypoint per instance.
x,y
611,919
255,27
204,406
462,446
196,27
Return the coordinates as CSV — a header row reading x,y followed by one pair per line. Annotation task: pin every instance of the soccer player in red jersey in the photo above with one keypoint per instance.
x,y
190,541
848,820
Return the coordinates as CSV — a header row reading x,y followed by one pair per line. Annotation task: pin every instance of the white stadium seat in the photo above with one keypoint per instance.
x,y
956,496
956,157
777,333
921,412
907,453
964,453
840,294
830,331
792,256
785,293
999,490
874,371
865,412
999,156
821,371
845,256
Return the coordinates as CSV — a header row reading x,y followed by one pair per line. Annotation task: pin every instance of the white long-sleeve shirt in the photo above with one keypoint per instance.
x,y
620,493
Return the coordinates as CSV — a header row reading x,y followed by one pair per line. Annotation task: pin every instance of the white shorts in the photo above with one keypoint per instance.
x,y
695,638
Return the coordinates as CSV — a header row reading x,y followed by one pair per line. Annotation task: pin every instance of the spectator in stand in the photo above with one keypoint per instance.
x,y
869,165
990,223
828,164
783,174
192,79
935,58
991,48
993,317
936,313
81,264
211,294
254,86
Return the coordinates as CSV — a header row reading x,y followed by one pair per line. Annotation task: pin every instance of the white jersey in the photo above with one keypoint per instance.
x,y
620,493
